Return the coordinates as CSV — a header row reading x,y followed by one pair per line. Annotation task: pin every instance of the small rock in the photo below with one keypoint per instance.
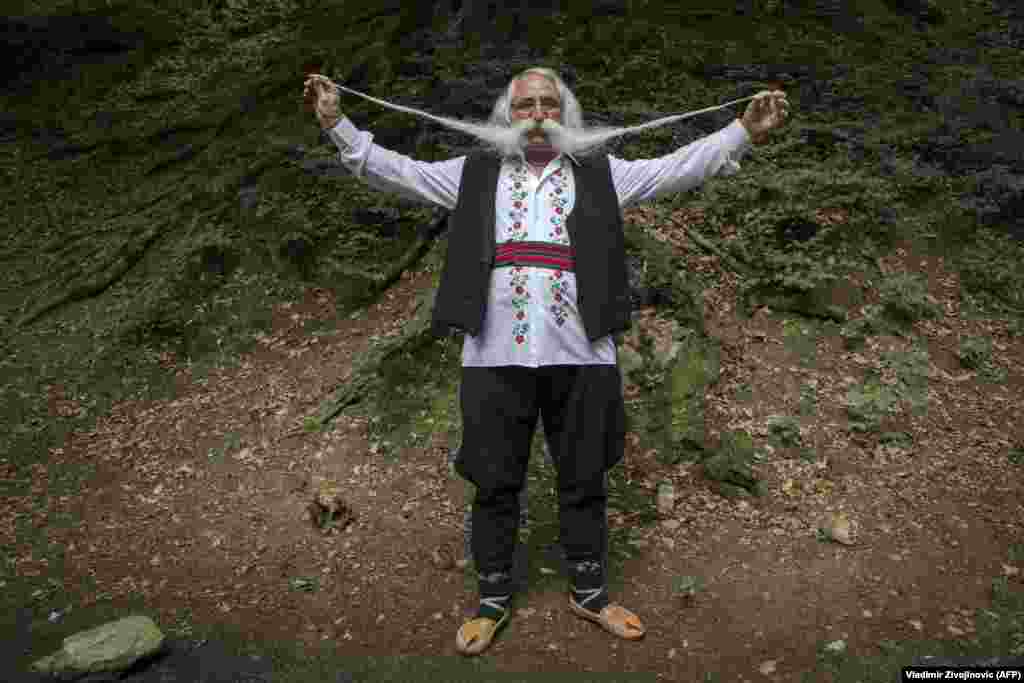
x,y
666,498
767,667
671,524
547,571
955,631
836,646
839,529
867,614
526,612
1010,571
462,563
916,624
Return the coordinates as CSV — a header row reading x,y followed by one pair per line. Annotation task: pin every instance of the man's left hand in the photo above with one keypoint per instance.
x,y
768,111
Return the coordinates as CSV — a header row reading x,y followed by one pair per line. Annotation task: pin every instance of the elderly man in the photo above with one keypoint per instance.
x,y
535,276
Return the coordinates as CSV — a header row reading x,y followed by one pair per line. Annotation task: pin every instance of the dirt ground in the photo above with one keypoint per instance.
x,y
221,538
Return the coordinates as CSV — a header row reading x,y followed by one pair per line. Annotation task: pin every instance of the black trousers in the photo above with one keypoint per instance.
x,y
585,425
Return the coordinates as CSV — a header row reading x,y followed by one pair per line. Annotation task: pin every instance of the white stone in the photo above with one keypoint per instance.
x,y
113,646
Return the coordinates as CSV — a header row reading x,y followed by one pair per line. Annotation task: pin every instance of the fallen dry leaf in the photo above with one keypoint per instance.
x,y
442,557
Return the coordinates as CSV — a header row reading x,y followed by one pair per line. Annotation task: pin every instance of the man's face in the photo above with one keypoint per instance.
x,y
535,97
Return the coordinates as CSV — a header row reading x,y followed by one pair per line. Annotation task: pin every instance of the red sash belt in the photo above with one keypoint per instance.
x,y
537,254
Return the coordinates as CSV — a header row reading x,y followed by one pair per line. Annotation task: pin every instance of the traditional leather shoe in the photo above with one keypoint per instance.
x,y
615,619
476,635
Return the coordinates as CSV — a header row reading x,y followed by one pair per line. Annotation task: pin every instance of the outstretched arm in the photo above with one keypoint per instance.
x,y
718,153
686,168
382,169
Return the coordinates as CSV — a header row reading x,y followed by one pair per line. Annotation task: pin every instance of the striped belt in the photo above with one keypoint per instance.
x,y
536,254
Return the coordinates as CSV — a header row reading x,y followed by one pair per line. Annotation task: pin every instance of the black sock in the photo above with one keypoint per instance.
x,y
493,606
586,579
593,604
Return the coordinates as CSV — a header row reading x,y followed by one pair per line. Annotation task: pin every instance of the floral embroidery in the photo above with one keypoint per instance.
x,y
559,290
520,299
516,189
559,200
550,226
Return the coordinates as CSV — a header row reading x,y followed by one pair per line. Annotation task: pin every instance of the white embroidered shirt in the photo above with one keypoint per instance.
x,y
531,317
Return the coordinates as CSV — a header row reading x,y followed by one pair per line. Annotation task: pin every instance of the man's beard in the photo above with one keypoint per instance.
x,y
512,140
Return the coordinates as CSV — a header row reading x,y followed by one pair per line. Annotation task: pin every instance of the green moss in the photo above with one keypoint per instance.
x,y
696,368
664,271
413,387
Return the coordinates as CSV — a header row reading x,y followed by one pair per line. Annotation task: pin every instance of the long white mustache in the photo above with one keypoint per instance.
x,y
511,140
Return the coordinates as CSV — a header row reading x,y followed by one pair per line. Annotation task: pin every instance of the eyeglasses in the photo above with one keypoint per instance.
x,y
527,105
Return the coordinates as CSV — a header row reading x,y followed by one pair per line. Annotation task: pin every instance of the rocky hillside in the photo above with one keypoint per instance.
x,y
165,187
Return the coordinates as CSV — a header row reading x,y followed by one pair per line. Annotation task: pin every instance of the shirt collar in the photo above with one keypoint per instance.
x,y
563,154
560,156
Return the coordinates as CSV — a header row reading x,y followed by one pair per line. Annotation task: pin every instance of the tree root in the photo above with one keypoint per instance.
x,y
415,335
366,374
738,265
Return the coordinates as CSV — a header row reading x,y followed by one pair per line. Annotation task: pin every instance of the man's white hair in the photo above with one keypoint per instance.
x,y
572,113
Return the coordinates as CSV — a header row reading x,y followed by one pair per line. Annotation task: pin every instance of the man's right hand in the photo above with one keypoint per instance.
x,y
321,97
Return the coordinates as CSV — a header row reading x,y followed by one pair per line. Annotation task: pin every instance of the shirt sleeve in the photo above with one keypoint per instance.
x,y
684,169
388,171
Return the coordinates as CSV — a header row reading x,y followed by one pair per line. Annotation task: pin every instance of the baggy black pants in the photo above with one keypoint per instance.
x,y
584,423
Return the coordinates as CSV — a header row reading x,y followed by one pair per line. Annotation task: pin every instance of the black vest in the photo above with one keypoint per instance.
x,y
595,232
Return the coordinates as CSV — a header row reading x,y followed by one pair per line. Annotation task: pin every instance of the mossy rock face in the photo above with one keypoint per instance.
x,y
630,362
660,272
696,367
